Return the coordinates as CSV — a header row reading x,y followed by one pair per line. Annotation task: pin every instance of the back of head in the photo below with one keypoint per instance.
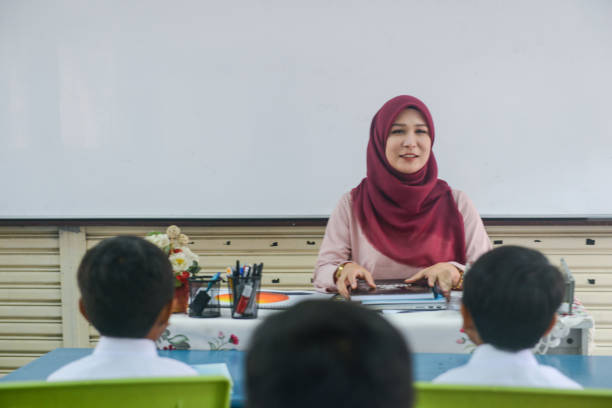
x,y
328,354
512,294
125,282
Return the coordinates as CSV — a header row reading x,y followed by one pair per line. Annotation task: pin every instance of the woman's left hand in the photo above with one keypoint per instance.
x,y
445,274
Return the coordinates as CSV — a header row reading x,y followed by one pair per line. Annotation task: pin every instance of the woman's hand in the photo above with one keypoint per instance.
x,y
445,274
348,278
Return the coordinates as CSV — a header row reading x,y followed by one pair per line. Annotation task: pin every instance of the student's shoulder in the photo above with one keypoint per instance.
x,y
176,367
557,379
455,375
71,371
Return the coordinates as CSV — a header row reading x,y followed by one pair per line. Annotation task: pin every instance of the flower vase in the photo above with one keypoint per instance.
x,y
181,299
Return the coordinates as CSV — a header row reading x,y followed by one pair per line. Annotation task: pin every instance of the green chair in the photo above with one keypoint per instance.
x,y
175,392
430,395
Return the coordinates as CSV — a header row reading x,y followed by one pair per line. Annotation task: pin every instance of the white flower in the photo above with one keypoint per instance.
x,y
179,262
190,257
176,245
159,240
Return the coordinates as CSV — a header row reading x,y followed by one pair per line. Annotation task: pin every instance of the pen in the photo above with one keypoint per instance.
x,y
236,286
213,280
244,298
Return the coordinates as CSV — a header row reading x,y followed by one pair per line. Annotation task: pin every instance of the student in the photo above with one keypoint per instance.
x,y
126,287
510,299
324,353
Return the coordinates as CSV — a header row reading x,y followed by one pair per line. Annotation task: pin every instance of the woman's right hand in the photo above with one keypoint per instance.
x,y
348,278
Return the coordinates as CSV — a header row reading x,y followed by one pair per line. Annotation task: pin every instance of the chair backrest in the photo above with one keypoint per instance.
x,y
430,395
183,392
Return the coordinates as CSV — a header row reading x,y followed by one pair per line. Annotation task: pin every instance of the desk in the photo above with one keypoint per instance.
x,y
589,371
426,332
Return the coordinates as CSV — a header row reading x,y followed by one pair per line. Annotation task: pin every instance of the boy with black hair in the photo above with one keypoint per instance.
x,y
126,287
324,353
510,300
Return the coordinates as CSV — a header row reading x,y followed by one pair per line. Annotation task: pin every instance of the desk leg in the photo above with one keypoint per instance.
x,y
584,341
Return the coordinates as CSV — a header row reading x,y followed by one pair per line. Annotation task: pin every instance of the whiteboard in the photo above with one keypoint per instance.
x,y
248,109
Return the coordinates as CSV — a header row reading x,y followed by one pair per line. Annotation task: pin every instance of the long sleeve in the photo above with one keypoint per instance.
x,y
336,246
477,241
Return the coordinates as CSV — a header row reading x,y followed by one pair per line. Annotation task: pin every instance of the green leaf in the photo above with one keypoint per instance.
x,y
194,268
153,233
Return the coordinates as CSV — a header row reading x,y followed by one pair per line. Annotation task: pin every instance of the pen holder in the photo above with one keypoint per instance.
x,y
204,296
243,293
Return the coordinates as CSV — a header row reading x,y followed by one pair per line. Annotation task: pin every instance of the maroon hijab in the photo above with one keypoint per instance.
x,y
411,218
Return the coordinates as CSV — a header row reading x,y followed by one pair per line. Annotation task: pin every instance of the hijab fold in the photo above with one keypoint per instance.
x,y
411,218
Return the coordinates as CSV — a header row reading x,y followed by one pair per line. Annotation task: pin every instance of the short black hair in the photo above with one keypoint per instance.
x,y
125,282
512,294
324,353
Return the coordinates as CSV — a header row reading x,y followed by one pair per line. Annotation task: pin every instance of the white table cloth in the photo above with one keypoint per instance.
x,y
426,332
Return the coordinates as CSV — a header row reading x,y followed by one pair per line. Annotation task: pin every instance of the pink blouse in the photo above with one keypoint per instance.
x,y
344,241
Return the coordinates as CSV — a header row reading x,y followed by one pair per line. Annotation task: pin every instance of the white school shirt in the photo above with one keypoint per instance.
x,y
122,358
491,366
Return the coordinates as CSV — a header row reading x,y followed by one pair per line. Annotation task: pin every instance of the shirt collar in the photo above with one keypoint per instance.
x,y
116,345
485,353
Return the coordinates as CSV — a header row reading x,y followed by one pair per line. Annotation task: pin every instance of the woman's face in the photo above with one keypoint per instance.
x,y
408,144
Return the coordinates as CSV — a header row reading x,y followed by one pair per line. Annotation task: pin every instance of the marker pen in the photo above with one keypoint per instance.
x,y
244,299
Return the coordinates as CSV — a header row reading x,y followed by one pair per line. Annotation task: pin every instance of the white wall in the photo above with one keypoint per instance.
x,y
262,108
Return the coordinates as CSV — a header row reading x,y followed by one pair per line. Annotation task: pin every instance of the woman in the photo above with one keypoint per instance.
x,y
401,221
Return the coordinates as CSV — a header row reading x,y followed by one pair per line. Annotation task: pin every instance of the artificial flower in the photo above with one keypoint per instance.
x,y
183,240
173,232
159,240
184,261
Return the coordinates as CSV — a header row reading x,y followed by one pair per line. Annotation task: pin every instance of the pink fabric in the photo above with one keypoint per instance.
x,y
345,241
411,218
